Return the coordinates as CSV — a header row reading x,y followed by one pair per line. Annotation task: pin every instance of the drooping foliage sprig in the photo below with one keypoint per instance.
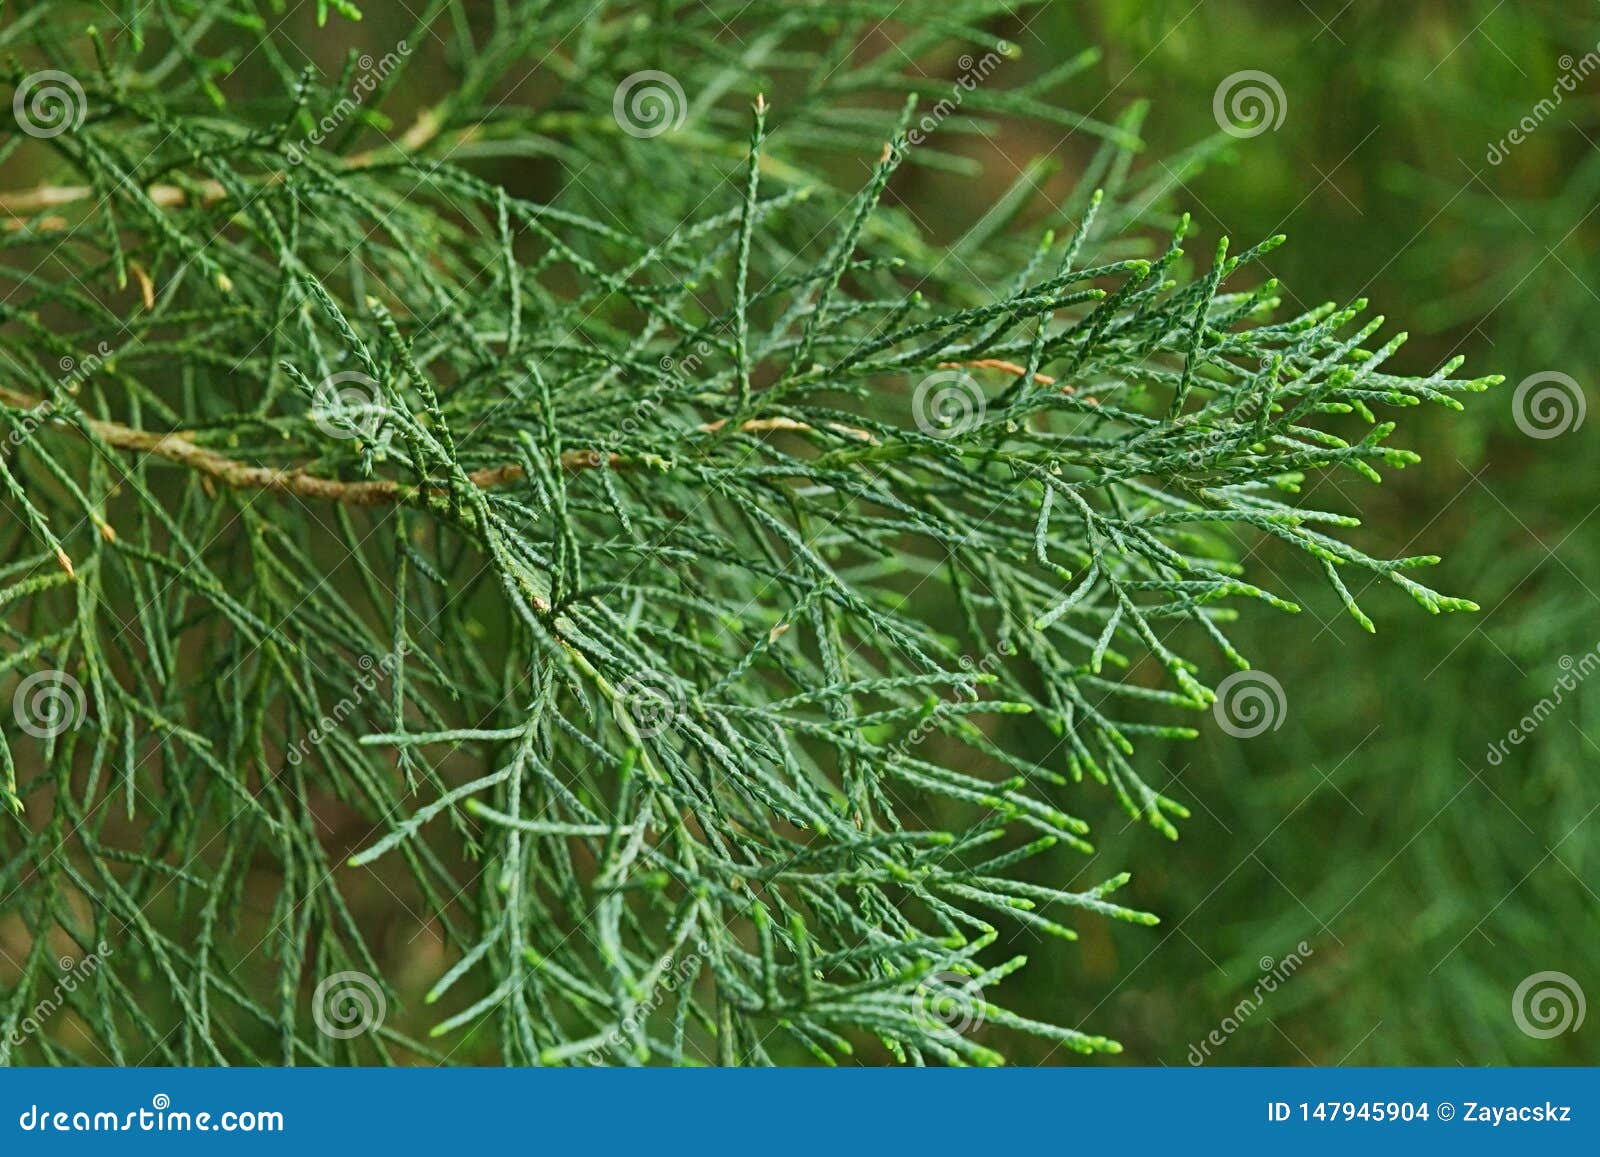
x,y
608,555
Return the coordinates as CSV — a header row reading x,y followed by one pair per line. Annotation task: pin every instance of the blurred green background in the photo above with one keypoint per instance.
x,y
1427,881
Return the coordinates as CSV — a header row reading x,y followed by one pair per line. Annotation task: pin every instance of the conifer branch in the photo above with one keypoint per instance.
x,y
715,597
19,204
180,448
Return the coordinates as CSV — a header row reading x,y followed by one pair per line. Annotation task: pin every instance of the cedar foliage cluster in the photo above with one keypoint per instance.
x,y
627,574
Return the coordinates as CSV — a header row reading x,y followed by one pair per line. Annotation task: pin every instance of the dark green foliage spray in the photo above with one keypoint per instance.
x,y
584,571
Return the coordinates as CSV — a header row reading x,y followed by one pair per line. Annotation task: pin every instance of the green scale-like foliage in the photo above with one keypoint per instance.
x,y
638,643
